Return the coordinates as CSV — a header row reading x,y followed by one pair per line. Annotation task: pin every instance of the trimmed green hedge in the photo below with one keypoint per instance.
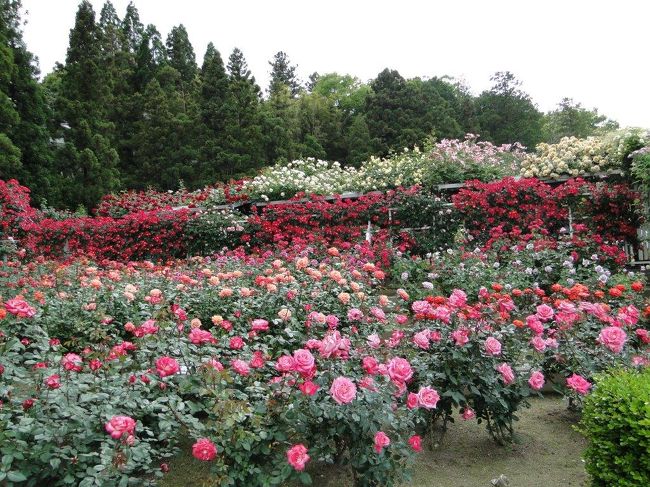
x,y
616,420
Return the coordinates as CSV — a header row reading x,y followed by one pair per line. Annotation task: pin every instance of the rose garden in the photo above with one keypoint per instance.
x,y
323,318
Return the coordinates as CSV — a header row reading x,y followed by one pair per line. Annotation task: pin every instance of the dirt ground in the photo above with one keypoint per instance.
x,y
546,454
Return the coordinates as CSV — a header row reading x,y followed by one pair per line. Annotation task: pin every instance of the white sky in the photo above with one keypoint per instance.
x,y
596,52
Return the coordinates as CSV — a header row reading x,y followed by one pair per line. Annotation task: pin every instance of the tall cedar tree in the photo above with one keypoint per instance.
x,y
244,142
87,160
213,106
25,152
283,74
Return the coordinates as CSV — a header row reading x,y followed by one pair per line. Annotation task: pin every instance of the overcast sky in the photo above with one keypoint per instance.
x,y
596,52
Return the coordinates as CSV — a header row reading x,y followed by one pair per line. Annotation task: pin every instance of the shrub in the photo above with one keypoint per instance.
x,y
616,420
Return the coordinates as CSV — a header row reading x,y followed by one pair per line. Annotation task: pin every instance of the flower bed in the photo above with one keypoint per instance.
x,y
273,361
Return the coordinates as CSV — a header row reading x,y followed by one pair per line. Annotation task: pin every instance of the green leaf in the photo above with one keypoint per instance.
x,y
14,476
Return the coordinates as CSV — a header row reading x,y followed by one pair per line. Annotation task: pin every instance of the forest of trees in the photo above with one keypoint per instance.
x,y
130,110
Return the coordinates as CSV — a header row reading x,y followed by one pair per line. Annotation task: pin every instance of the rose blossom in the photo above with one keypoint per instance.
x,y
492,346
308,388
297,457
20,308
166,366
119,426
240,367
399,369
506,373
613,338
428,397
71,362
260,325
460,336
412,400
538,343
303,361
374,341
381,441
416,443
536,380
578,384
544,312
421,339
343,390
370,365
285,363
53,381
468,413
204,450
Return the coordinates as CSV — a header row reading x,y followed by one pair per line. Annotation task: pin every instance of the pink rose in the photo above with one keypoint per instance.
x,y
257,361
119,426
297,457
236,343
19,308
198,336
412,400
72,362
204,450
416,443
308,388
355,314
260,325
538,343
458,298
53,381
506,373
578,384
428,397
421,339
492,346
381,441
421,307
401,319
370,365
240,367
399,369
374,341
460,336
286,363
166,366
534,324
343,390
303,361
468,413
536,380
544,312
613,338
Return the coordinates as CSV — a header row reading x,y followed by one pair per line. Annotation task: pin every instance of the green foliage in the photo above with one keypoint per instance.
x,y
571,119
616,420
506,114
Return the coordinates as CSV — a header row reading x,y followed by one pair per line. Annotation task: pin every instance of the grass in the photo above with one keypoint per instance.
x,y
546,453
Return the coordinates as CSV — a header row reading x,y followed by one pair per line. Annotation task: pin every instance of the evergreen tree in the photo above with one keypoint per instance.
x,y
283,74
87,160
358,141
507,114
281,126
213,102
244,142
25,151
165,138
132,29
181,54
151,55
394,111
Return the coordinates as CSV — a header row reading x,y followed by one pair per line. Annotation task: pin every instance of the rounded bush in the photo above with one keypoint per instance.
x,y
616,420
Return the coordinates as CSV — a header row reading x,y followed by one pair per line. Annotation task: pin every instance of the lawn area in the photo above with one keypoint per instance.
x,y
546,453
